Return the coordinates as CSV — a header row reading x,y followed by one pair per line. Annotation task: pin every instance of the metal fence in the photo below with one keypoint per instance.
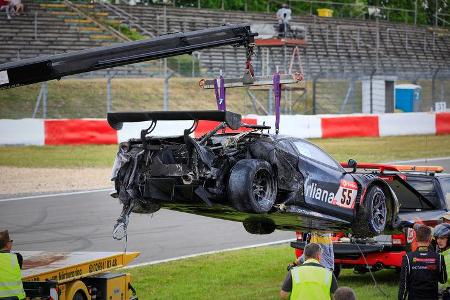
x,y
93,98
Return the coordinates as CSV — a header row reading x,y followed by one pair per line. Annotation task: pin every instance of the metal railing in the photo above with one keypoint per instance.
x,y
309,7
128,18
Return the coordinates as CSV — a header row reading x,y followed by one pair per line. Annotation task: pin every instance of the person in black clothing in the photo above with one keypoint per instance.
x,y
421,270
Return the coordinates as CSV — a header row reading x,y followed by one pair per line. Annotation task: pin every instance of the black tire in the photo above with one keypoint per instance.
x,y
372,216
79,295
252,186
337,270
259,225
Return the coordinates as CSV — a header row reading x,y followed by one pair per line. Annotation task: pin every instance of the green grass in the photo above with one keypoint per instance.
x,y
246,274
58,156
362,149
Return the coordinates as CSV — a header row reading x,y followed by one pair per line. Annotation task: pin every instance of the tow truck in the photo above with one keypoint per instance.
x,y
387,251
77,275
85,275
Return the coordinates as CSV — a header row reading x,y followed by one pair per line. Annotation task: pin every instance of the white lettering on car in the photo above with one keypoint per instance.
x,y
344,197
312,191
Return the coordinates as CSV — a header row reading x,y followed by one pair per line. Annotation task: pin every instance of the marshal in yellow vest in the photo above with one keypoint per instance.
x,y
311,282
10,277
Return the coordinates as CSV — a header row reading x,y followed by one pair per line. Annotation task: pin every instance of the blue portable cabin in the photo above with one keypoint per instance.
x,y
408,97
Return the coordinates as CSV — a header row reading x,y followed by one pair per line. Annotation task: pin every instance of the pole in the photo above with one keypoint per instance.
x,y
166,87
193,65
433,87
435,14
378,45
415,12
371,90
108,93
314,96
44,103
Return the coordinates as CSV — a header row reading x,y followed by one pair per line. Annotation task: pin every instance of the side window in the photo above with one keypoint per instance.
x,y
426,187
309,150
445,185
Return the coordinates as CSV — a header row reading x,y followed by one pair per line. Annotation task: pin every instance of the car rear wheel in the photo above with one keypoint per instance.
x,y
252,186
372,216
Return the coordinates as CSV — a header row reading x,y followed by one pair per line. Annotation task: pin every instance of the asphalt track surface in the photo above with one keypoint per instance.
x,y
84,222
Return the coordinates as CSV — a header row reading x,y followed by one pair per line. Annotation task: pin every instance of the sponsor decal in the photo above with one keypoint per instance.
x,y
425,260
315,192
346,194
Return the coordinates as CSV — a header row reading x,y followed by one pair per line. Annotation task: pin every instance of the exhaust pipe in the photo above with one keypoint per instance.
x,y
187,179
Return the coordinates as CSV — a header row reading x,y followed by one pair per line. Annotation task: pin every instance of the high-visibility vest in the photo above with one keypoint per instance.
x,y
10,277
311,282
446,255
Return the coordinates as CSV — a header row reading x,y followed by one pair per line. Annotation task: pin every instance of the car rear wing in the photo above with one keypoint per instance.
x,y
232,120
396,168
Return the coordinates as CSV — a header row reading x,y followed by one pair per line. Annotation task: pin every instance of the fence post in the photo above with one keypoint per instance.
x,y
108,93
378,43
415,12
314,95
44,102
433,87
436,14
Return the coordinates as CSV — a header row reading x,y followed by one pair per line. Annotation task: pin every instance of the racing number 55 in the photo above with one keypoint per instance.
x,y
346,197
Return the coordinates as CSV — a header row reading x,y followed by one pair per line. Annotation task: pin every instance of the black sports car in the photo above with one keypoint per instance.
x,y
266,181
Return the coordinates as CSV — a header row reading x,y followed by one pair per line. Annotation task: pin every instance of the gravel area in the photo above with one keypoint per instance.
x,y
17,181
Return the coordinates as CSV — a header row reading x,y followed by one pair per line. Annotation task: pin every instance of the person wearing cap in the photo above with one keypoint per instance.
x,y
11,287
442,234
310,280
421,270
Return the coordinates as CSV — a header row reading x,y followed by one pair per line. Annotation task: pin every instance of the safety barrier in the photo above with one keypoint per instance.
x,y
97,131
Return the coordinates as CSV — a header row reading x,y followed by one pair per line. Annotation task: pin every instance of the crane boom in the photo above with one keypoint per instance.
x,y
41,69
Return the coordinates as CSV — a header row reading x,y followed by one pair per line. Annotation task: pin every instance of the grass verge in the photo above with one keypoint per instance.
x,y
362,149
245,274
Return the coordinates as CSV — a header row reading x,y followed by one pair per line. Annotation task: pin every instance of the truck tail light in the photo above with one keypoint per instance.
x,y
398,239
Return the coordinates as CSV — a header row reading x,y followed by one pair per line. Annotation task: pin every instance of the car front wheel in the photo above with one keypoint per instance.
x,y
372,215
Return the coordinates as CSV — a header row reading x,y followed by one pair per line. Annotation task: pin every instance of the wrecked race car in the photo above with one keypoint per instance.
x,y
265,181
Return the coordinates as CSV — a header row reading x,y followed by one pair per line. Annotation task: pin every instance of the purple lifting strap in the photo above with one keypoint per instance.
x,y
277,93
220,93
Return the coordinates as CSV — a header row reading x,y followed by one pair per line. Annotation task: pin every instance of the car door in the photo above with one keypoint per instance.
x,y
327,188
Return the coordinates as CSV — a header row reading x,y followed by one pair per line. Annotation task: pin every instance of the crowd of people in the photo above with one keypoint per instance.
x,y
11,7
423,273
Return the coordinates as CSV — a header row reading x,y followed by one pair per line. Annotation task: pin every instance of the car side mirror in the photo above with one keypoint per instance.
x,y
352,164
